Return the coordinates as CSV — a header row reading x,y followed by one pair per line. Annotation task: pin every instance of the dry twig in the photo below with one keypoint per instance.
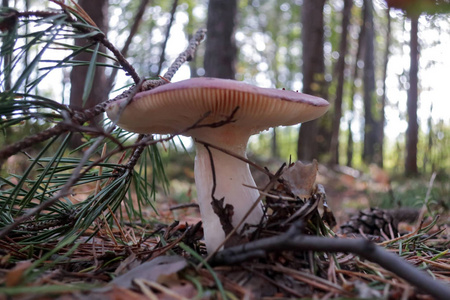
x,y
295,240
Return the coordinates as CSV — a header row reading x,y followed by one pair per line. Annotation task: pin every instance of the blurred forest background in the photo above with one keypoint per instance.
x,y
383,70
383,66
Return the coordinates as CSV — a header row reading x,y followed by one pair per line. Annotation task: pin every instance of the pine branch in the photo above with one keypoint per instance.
x,y
150,84
80,117
98,37
186,55
76,175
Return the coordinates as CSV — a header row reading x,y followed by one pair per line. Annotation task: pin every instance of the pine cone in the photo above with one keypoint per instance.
x,y
372,221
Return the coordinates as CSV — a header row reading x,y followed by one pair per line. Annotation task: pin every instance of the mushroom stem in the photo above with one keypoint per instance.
x,y
231,175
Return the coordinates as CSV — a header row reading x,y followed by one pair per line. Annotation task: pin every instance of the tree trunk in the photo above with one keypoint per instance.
x,y
6,60
355,75
413,126
313,74
384,98
221,51
340,68
98,11
372,144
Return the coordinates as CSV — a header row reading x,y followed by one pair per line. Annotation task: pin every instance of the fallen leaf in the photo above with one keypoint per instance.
x,y
14,276
301,178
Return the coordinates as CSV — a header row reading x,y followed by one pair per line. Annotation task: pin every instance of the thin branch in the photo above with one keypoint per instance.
x,y
162,58
256,166
122,60
134,28
294,240
138,151
213,172
183,205
181,59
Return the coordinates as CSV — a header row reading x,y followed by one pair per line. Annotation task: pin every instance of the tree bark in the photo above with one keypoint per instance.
x,y
413,126
221,51
355,75
98,11
384,97
313,74
340,68
372,144
6,60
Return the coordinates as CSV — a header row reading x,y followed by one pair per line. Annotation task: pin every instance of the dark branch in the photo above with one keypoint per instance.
x,y
134,28
244,159
294,240
162,58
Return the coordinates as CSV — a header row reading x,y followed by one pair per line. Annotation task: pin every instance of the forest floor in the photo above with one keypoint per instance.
x,y
165,258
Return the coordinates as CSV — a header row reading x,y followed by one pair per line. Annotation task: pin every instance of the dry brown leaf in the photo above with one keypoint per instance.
x,y
301,178
14,276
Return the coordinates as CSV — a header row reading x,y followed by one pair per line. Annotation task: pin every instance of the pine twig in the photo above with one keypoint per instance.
x,y
181,59
82,116
246,160
100,37
150,84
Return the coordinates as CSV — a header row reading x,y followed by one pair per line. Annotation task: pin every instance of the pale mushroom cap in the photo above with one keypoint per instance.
x,y
173,107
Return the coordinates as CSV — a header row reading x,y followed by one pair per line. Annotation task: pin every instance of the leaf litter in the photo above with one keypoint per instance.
x,y
160,261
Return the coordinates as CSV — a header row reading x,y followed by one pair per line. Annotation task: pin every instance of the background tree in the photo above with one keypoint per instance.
x,y
313,69
413,10
412,133
353,90
384,100
372,151
340,68
84,92
221,52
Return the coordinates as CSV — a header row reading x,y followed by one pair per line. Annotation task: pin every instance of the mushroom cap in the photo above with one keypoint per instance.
x,y
174,107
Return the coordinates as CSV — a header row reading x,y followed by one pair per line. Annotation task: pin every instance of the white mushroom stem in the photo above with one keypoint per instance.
x,y
231,175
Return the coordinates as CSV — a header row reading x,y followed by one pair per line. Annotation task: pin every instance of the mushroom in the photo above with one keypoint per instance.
x,y
174,107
